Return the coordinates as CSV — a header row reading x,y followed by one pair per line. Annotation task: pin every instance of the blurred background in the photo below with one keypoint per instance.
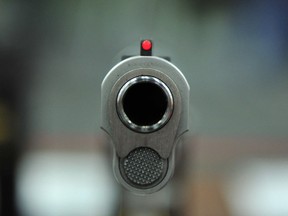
x,y
54,160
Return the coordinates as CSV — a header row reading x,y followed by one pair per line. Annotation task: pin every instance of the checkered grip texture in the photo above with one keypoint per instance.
x,y
143,166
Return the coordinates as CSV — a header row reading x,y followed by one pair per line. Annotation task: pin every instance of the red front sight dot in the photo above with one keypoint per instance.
x,y
146,47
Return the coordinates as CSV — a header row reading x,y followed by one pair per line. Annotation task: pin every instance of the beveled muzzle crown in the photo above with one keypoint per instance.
x,y
145,104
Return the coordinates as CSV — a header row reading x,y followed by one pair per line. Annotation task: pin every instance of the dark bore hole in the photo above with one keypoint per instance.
x,y
145,103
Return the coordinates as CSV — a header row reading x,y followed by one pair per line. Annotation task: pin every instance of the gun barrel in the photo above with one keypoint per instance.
x,y
145,104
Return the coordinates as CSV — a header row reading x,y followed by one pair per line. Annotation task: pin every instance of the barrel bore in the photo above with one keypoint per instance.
x,y
144,104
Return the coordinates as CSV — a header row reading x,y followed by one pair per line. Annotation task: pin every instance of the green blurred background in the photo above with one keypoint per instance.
x,y
53,58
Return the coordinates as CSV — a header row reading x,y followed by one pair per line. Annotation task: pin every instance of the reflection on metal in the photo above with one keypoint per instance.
x,y
165,117
145,103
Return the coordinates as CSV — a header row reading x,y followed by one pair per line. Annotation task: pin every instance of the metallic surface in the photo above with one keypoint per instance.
x,y
143,167
125,141
144,128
